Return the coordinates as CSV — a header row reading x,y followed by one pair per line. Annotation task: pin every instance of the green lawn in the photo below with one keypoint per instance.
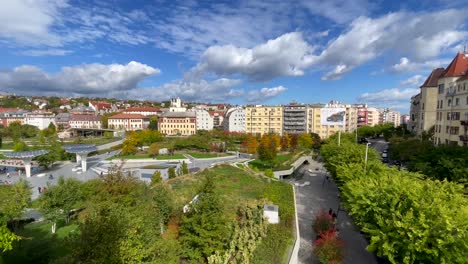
x,y
37,242
206,155
238,187
281,162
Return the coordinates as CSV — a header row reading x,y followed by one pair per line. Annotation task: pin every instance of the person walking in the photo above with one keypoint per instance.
x,y
8,175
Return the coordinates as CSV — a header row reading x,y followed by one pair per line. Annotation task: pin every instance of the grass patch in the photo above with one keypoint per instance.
x,y
238,187
281,162
169,157
37,242
155,167
206,155
146,156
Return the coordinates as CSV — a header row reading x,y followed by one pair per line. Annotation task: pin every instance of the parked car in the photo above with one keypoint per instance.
x,y
384,155
363,140
385,160
397,163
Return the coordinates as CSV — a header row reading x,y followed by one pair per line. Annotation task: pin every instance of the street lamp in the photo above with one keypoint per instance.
x,y
365,159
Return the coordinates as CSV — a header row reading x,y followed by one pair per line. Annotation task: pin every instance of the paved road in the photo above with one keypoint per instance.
x,y
379,144
110,145
311,197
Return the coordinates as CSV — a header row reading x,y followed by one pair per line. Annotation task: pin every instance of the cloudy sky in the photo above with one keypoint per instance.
x,y
269,51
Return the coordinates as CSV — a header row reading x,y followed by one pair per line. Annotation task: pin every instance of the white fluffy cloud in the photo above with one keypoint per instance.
x,y
338,11
29,22
413,81
265,94
405,65
403,33
86,79
287,55
395,98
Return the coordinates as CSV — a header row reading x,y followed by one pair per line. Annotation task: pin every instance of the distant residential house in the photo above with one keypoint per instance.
x,y
10,115
85,121
204,119
41,120
102,107
62,120
145,111
178,123
83,110
129,122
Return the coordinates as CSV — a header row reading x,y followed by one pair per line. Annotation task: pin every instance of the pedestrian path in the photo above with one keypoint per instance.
x,y
314,193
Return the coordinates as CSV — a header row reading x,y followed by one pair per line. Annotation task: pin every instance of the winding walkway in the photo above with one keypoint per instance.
x,y
314,194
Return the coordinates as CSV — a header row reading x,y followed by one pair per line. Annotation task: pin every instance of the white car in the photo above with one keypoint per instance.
x,y
384,155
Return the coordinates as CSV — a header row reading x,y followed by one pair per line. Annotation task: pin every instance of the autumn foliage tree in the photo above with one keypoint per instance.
x,y
250,144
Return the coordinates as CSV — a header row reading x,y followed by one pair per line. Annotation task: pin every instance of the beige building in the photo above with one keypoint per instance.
x,y
264,119
327,119
128,122
424,105
452,103
373,116
85,121
178,123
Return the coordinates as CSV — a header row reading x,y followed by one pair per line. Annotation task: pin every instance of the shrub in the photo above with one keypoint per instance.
x,y
329,248
322,223
269,173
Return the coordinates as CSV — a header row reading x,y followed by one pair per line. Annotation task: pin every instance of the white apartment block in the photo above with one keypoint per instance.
x,y
234,120
39,120
204,119
145,111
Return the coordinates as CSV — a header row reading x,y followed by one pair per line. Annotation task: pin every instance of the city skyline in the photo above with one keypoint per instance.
x,y
265,52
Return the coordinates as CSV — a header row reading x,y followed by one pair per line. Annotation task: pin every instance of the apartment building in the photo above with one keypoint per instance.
x,y
390,116
234,120
128,122
85,121
218,117
41,120
424,105
373,116
264,119
295,119
204,119
10,115
451,126
327,119
178,123
102,107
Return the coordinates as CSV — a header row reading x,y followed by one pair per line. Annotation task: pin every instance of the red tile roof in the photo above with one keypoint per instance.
x,y
433,78
213,113
128,116
458,66
142,109
3,110
85,118
102,105
464,77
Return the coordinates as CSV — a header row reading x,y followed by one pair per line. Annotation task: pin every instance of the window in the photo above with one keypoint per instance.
x,y
437,104
422,116
454,130
441,103
441,88
449,102
457,101
423,106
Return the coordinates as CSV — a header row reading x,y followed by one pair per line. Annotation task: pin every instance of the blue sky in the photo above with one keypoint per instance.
x,y
270,52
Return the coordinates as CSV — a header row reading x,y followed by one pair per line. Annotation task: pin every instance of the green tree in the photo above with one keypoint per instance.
x,y
20,146
184,168
129,146
171,172
153,123
267,149
156,178
205,229
58,201
305,141
153,150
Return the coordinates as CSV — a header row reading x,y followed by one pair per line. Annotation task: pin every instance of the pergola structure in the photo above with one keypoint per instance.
x,y
81,151
26,157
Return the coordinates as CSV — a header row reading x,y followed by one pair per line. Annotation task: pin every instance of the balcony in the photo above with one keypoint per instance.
x,y
464,122
450,93
464,138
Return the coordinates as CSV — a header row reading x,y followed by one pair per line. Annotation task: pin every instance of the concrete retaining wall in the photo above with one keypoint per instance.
x,y
294,257
294,166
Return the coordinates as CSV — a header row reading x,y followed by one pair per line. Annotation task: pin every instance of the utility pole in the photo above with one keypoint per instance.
x,y
339,138
365,159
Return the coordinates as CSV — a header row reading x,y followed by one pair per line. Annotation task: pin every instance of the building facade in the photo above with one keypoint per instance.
x,y
9,116
452,103
204,119
41,120
128,122
178,123
295,119
234,120
85,121
176,105
264,119
145,111
327,119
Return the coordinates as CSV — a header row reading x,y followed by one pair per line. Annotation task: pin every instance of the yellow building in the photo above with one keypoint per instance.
x,y
327,119
178,123
264,119
452,103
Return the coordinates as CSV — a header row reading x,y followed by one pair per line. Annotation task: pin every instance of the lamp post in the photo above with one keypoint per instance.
x,y
365,159
339,137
